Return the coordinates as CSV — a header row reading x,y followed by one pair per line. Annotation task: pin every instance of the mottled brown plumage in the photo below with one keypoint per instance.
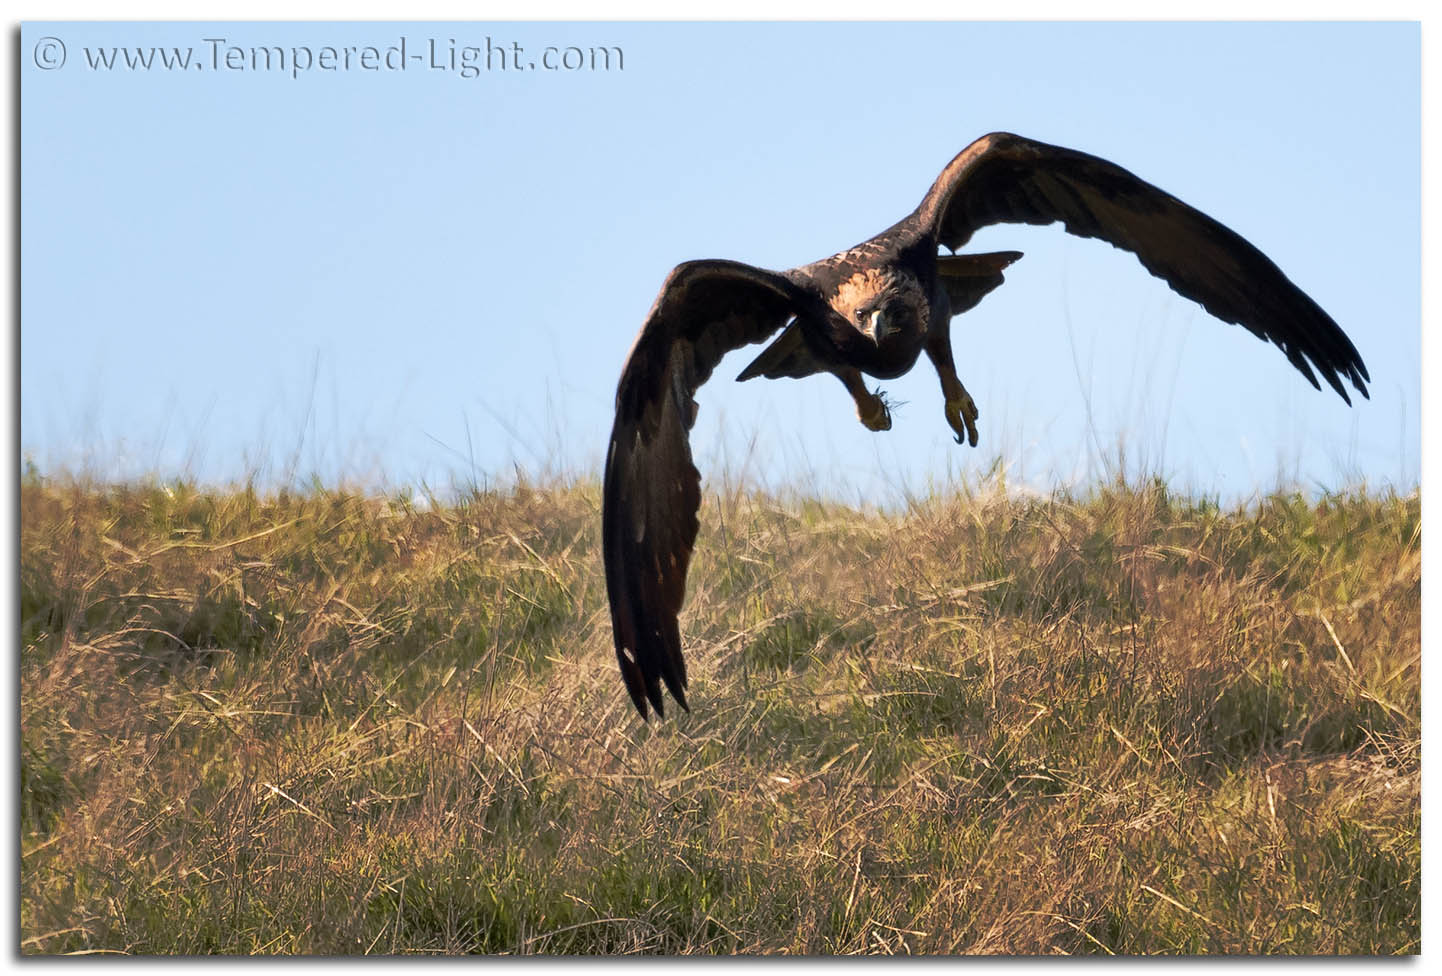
x,y
874,309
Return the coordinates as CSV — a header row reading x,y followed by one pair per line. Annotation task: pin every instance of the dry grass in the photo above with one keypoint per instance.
x,y
1120,723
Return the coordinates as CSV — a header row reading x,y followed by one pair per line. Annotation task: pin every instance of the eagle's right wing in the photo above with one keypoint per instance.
x,y
652,489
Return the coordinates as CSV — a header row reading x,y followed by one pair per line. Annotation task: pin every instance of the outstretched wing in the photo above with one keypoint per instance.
x,y
1004,178
652,489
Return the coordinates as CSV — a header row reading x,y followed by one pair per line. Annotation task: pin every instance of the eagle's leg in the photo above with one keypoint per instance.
x,y
869,406
961,412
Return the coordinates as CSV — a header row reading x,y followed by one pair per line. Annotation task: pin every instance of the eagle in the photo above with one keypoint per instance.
x,y
874,309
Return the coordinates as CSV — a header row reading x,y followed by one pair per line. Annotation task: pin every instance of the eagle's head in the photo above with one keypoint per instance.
x,y
884,305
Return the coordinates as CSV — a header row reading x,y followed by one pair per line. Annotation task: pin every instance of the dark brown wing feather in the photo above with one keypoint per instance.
x,y
652,489
1003,178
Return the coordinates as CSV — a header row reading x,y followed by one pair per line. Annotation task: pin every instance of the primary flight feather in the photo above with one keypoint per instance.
x,y
875,309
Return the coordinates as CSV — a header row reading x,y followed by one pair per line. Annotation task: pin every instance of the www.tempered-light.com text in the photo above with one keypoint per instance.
x,y
430,54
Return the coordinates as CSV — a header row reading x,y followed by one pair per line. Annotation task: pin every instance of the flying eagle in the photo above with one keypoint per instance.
x,y
874,309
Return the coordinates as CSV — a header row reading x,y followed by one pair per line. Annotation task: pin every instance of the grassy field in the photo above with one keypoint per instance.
x,y
1118,722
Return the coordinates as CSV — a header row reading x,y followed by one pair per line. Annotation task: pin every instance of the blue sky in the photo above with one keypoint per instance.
x,y
405,277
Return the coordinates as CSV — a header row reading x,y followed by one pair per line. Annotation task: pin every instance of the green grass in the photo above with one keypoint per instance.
x,y
1118,722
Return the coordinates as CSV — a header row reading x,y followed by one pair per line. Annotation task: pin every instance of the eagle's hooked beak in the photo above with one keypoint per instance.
x,y
877,327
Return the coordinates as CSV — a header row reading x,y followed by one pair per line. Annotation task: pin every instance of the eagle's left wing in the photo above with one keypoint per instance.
x,y
1003,178
652,489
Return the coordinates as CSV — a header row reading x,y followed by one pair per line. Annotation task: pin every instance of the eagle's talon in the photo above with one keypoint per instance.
x,y
873,412
962,414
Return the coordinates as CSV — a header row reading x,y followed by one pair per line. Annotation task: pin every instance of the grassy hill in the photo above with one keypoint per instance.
x,y
321,722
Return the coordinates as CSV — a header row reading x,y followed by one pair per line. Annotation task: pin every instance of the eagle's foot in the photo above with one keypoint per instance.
x,y
961,414
872,410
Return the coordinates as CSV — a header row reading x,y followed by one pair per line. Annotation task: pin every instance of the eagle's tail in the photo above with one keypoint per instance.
x,y
787,357
968,277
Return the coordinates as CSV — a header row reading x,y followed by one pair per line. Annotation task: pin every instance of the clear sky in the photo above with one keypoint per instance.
x,y
398,277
